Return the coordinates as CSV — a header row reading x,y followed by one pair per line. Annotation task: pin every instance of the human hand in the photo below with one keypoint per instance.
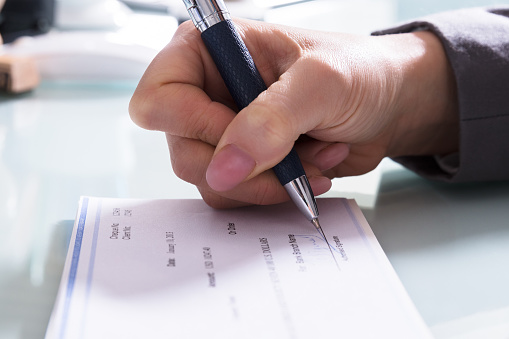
x,y
355,99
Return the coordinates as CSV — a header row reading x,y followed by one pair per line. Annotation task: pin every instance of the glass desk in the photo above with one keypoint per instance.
x,y
447,243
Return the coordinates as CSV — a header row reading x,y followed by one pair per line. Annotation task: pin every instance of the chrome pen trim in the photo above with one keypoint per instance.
x,y
299,191
206,13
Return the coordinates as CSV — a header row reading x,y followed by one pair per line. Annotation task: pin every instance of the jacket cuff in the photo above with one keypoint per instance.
x,y
476,42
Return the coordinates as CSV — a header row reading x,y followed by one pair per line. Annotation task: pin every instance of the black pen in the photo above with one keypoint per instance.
x,y
244,83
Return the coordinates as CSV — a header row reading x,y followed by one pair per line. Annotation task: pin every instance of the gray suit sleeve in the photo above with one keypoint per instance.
x,y
476,41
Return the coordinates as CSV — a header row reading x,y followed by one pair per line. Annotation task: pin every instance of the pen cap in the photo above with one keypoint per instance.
x,y
206,13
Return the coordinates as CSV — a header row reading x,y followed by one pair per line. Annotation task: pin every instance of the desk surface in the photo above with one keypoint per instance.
x,y
447,243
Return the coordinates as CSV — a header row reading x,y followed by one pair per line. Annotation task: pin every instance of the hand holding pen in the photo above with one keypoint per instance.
x,y
325,91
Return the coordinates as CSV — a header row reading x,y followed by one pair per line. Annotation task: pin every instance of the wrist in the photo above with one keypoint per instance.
x,y
427,108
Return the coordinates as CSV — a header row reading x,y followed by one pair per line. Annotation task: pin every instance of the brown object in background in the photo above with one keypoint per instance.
x,y
18,74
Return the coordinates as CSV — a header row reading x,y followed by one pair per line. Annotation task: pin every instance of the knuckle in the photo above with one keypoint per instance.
x,y
185,171
156,109
185,33
184,166
194,125
186,27
204,123
142,109
200,130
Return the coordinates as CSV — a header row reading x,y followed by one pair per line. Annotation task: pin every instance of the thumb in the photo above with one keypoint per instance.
x,y
263,133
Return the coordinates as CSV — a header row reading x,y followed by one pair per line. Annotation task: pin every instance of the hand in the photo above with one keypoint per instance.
x,y
345,101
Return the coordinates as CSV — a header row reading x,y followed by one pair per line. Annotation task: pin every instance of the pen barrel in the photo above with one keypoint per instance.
x,y
243,81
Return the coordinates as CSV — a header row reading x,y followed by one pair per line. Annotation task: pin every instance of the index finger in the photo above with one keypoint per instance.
x,y
181,92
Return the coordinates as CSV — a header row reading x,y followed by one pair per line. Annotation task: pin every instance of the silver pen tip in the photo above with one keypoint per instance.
x,y
316,223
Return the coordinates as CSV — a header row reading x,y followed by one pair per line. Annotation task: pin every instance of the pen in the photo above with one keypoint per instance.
x,y
245,83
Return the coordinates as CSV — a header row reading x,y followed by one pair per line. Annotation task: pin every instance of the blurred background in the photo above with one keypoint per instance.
x,y
71,136
116,39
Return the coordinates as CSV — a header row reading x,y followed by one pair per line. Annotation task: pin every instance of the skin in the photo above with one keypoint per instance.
x,y
345,101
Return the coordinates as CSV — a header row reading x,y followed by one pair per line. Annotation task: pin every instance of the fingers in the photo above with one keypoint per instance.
x,y
261,190
232,164
265,131
361,159
228,156
189,161
170,96
323,155
182,92
189,158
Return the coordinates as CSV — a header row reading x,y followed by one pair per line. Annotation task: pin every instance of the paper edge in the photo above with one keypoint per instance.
x,y
392,276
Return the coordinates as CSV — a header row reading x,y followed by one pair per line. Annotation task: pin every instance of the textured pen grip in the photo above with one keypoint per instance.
x,y
244,82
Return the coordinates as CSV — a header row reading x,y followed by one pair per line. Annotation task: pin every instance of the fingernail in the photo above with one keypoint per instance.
x,y
229,168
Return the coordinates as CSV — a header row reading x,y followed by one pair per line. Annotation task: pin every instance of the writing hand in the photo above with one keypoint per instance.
x,y
346,101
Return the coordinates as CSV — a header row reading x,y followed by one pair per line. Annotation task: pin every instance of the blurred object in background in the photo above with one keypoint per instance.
x,y
18,74
91,14
356,17
238,8
93,56
172,7
26,17
95,41
1,5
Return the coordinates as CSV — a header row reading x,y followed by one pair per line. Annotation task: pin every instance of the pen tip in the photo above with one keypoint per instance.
x,y
316,223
